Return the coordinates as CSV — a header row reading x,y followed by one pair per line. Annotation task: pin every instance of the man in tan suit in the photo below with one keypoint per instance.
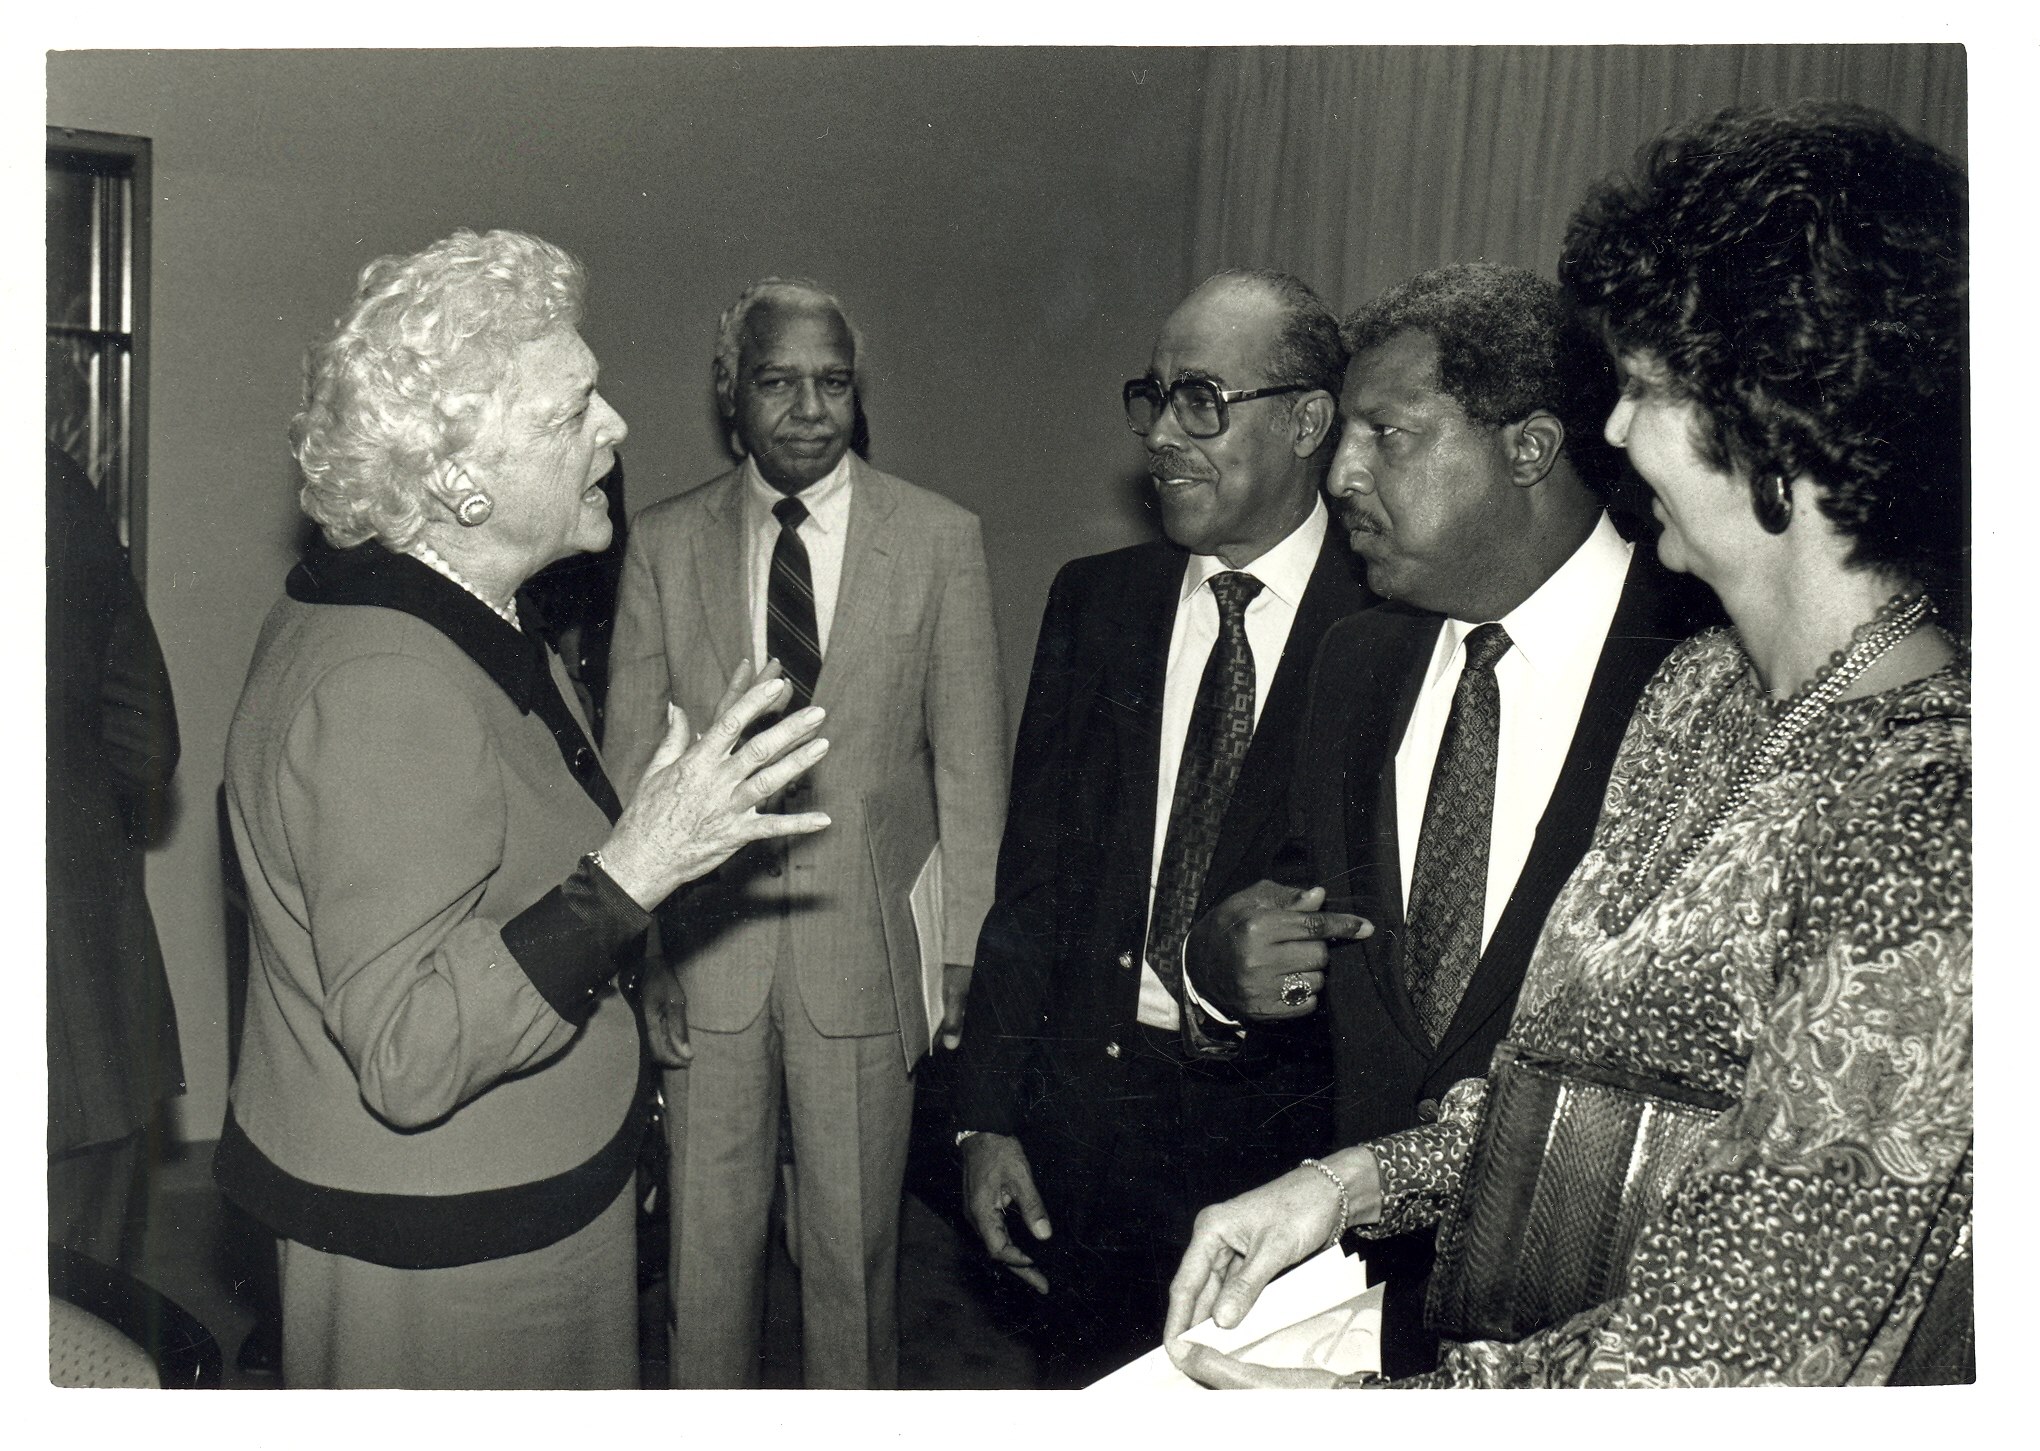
x,y
796,970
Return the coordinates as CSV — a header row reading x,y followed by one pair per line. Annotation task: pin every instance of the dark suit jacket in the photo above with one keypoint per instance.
x,y
112,738
1057,986
1362,690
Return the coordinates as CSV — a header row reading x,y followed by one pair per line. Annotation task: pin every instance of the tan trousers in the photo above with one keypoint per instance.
x,y
851,1104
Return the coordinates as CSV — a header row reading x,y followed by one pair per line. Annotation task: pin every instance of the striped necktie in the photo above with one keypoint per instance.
x,y
790,632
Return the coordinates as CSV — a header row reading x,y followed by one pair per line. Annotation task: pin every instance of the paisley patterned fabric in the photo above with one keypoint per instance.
x,y
1812,960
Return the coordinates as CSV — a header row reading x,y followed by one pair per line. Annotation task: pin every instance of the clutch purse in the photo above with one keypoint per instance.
x,y
1569,1161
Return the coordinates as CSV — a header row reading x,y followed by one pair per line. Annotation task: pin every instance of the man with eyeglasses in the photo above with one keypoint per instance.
x,y
1151,779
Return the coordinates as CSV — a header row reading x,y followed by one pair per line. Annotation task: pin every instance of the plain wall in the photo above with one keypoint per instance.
x,y
1007,227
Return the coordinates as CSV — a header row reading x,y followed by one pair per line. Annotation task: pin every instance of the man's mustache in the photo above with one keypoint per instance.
x,y
1174,463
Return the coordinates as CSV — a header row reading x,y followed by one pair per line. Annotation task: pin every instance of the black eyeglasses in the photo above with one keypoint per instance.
x,y
1199,403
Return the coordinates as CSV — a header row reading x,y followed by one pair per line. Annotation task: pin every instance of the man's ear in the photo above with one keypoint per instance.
x,y
1312,416
1534,446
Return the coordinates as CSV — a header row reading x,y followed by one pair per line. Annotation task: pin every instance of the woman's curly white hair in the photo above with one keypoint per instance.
x,y
405,381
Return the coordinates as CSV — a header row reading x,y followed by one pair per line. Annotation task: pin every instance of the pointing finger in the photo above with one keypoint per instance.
x,y
1334,926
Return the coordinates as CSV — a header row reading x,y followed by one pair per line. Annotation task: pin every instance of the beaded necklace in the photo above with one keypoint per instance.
x,y
426,555
1640,884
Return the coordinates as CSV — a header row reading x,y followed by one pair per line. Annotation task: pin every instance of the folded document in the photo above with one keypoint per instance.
x,y
1318,1315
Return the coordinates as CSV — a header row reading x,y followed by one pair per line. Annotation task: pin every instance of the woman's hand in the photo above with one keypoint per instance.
x,y
698,802
1224,1372
1239,1246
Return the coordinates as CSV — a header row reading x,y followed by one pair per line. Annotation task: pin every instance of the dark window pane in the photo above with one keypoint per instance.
x,y
70,247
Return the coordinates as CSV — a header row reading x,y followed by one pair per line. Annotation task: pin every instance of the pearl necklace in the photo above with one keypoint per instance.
x,y
1895,619
431,558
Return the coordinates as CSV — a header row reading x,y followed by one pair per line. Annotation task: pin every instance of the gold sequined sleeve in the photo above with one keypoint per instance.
x,y
1420,1167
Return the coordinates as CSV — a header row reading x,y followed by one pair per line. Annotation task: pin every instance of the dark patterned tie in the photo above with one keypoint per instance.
x,y
1448,887
790,633
1221,729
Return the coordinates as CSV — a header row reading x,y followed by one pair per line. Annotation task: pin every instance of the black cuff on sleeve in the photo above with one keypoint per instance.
x,y
567,940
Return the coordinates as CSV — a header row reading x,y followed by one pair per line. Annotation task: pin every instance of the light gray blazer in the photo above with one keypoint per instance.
x,y
916,726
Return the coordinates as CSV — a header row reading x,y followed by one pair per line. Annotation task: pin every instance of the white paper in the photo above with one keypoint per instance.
x,y
1320,1313
925,902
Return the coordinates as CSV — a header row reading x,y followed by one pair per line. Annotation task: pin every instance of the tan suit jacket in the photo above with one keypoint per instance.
x,y
917,751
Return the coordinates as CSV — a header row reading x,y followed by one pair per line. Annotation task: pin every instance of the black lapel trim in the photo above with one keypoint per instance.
x,y
518,661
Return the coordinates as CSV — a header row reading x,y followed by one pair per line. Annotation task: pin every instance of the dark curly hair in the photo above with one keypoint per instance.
x,y
1801,274
1507,347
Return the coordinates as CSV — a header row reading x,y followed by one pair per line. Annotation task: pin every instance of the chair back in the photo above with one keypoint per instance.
x,y
109,1329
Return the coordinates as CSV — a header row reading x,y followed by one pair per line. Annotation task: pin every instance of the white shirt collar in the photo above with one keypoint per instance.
x,y
1284,571
816,497
1544,628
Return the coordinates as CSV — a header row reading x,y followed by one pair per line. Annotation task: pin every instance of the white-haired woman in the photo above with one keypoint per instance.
x,y
437,1104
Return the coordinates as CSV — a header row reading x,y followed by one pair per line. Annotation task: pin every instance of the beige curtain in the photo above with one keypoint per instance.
x,y
1356,167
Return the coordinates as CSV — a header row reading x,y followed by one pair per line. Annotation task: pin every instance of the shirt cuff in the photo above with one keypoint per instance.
x,y
567,940
1190,990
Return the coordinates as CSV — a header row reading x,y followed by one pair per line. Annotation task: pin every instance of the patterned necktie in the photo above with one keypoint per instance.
x,y
1448,888
1221,729
790,633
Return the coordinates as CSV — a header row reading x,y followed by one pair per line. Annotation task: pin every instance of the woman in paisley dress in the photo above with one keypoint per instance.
x,y
1776,905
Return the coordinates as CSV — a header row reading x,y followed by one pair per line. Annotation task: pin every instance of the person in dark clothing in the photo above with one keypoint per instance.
x,y
112,746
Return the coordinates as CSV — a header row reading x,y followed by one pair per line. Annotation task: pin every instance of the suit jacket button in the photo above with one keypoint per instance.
x,y
1427,1110
1111,1050
1126,959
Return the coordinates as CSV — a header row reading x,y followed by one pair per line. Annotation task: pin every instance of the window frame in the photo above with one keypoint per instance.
x,y
102,153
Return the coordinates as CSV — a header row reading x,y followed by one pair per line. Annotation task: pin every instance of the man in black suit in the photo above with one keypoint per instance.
x,y
1150,779
1470,477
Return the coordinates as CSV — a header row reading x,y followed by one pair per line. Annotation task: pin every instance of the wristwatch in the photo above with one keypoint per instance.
x,y
962,1134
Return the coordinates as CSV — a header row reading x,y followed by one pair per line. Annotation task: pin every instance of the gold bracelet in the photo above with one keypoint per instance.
x,y
1339,1184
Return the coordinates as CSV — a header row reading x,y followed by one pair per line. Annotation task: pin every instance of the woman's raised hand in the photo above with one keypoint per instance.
x,y
698,802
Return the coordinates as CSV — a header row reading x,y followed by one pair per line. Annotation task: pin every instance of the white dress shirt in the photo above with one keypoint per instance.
x,y
1556,638
827,501
1284,572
